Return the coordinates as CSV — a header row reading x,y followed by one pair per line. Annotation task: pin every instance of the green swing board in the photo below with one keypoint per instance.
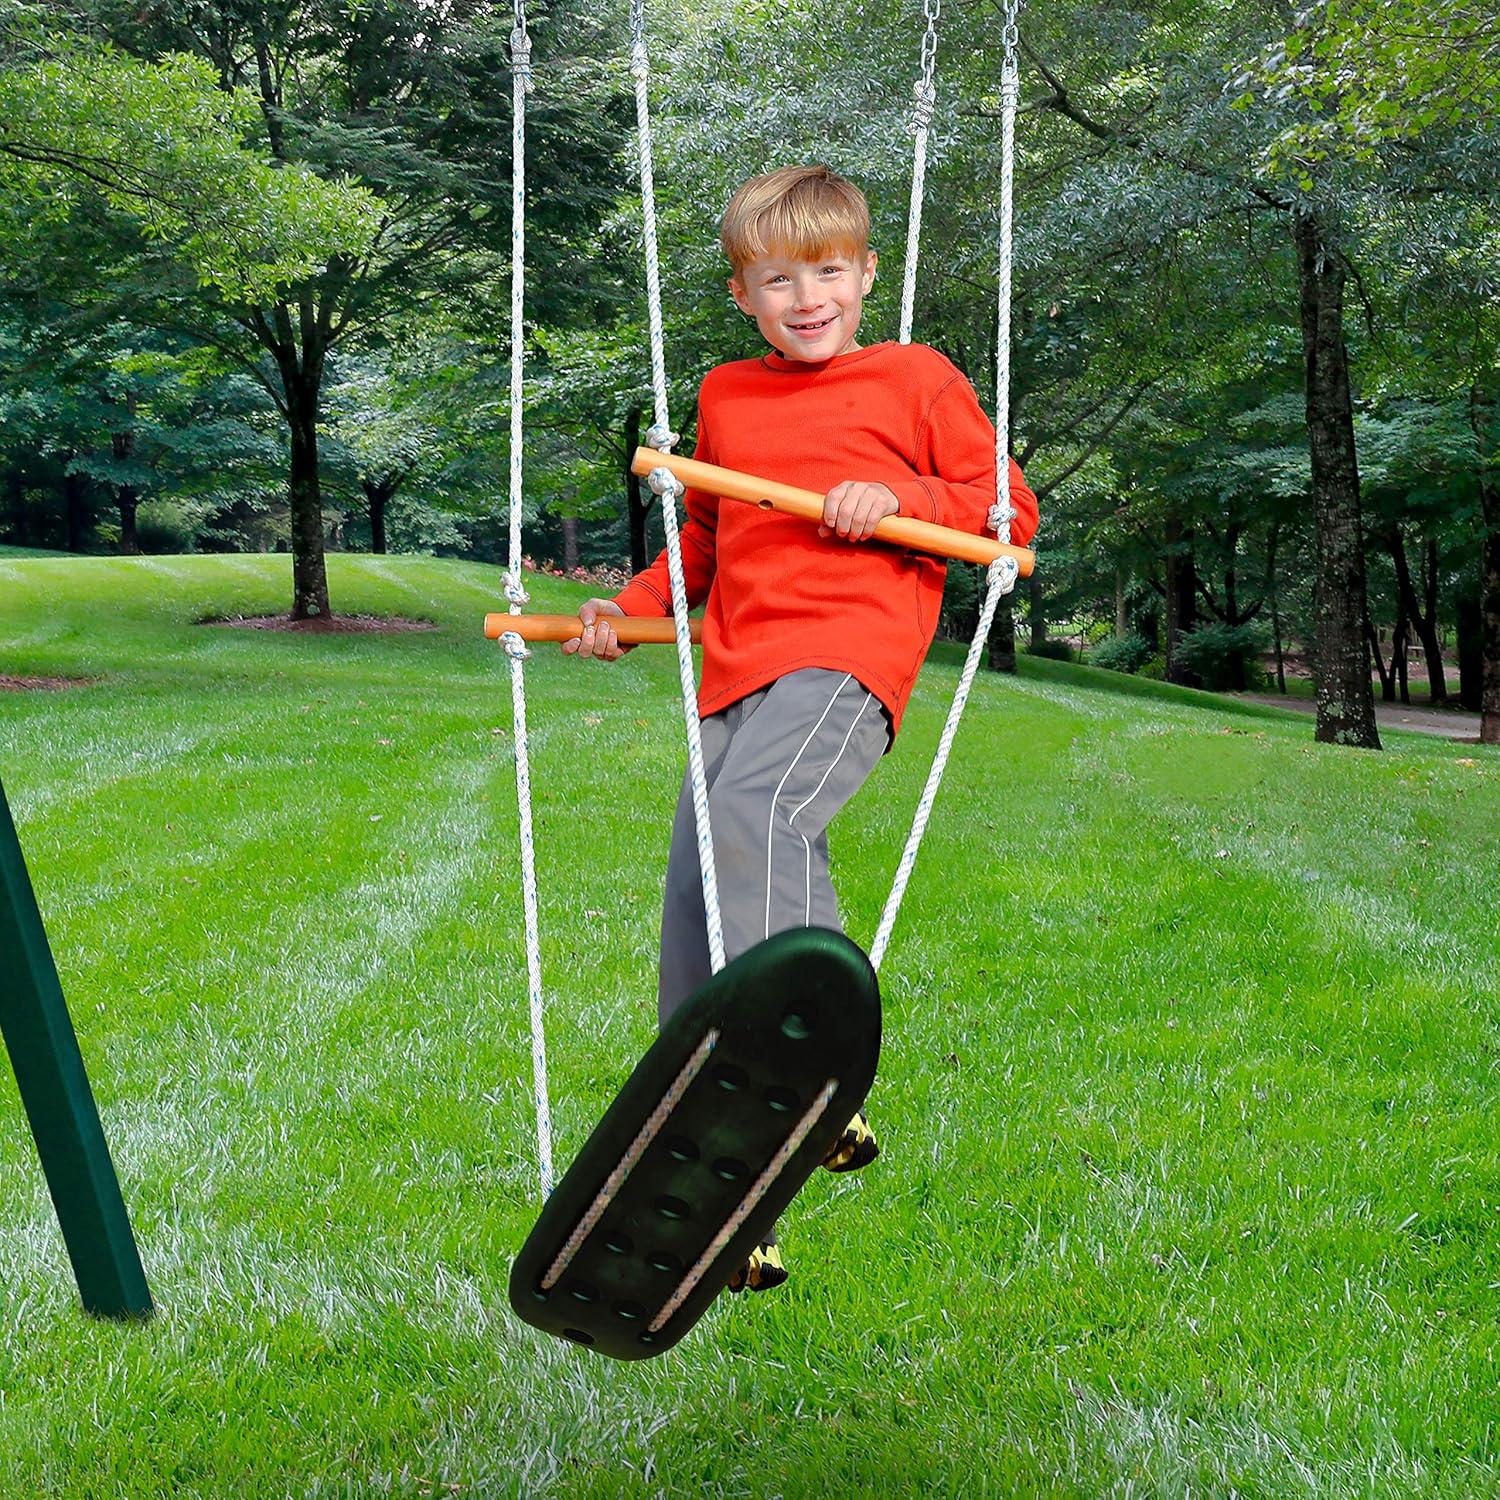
x,y
734,1106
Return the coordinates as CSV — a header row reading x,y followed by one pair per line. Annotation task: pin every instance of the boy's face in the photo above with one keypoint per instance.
x,y
808,309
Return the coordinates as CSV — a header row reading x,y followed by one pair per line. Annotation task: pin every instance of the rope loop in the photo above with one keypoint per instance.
x,y
520,55
659,435
1004,573
665,483
926,95
1002,513
640,59
515,647
515,590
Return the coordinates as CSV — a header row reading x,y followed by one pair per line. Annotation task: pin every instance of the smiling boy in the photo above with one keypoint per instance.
x,y
811,645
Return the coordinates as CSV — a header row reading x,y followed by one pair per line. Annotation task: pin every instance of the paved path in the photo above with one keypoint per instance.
x,y
1450,724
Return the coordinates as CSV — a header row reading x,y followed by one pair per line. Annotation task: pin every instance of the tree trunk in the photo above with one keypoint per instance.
x,y
309,569
1036,611
1377,656
1122,625
77,512
1235,666
1427,624
635,502
1489,691
1414,616
15,499
128,501
378,497
1002,641
1341,668
1275,613
570,542
1468,627
127,497
1182,601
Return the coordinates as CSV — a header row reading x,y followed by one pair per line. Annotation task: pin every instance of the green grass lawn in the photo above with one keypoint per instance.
x,y
1191,1172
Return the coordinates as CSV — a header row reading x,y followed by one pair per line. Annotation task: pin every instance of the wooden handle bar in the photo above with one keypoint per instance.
x,y
766,493
633,630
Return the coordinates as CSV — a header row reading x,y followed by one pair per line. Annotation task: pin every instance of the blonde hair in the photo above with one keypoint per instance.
x,y
803,212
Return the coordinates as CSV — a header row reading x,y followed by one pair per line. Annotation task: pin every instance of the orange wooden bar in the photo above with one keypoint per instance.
x,y
903,531
632,630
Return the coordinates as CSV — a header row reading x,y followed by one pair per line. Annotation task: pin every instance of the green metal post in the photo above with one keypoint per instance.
x,y
55,1091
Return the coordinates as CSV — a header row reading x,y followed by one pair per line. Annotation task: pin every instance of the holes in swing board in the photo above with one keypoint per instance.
x,y
664,1261
680,1148
780,1099
578,1336
618,1243
675,1209
798,1025
730,1078
581,1291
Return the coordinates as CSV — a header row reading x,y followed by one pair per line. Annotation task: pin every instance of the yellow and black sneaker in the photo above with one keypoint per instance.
x,y
761,1272
856,1148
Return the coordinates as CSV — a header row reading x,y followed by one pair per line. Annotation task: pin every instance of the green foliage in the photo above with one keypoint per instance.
x,y
1122,653
1212,651
1052,650
160,141
1371,72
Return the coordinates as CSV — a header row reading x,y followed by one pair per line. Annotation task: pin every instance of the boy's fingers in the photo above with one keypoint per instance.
x,y
833,501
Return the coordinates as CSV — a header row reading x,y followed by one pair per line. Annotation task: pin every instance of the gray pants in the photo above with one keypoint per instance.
x,y
779,765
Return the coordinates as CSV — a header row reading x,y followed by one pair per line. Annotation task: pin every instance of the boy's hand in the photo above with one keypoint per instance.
x,y
598,638
853,509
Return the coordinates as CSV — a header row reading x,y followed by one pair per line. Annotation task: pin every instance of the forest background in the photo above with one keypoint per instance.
x,y
255,278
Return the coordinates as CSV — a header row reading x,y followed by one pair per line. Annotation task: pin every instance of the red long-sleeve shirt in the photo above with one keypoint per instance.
x,y
780,597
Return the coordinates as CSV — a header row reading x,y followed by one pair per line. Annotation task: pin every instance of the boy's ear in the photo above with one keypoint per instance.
x,y
738,292
868,280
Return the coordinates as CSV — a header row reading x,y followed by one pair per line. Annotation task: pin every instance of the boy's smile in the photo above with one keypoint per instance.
x,y
806,309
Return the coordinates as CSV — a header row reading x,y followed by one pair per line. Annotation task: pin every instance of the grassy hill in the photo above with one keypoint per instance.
x,y
1190,1178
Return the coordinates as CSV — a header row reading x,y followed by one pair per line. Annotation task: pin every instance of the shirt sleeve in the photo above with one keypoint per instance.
x,y
955,464
650,591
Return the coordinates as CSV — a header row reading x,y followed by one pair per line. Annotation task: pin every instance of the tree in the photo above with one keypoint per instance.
x,y
404,101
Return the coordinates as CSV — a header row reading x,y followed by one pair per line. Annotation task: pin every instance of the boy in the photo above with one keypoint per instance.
x,y
811,642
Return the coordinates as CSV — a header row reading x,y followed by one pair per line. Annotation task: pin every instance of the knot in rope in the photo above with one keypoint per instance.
x,y
520,55
659,435
664,483
515,647
1003,575
926,96
1001,514
515,591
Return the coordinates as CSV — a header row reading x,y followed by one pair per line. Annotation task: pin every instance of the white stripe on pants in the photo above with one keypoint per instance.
x,y
779,764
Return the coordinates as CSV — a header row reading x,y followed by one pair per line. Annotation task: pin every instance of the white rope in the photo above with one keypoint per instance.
x,y
925,90
666,485
515,592
1003,572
